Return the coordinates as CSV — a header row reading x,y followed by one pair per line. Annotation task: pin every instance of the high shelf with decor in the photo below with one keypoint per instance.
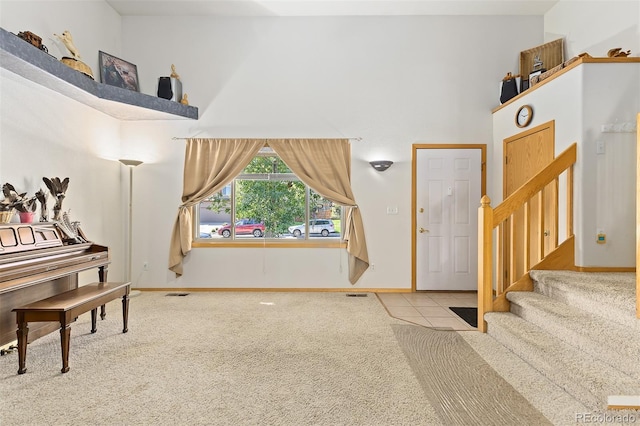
x,y
27,61
593,103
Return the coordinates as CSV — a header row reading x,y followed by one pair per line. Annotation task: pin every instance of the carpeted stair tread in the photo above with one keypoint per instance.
x,y
586,378
604,339
609,295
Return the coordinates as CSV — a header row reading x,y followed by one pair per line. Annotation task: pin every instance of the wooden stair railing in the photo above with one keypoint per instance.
x,y
490,219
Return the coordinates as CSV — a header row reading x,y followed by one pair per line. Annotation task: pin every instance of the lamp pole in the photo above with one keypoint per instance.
x,y
131,164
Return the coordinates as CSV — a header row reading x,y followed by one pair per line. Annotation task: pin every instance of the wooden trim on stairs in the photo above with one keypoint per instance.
x,y
562,258
501,304
604,269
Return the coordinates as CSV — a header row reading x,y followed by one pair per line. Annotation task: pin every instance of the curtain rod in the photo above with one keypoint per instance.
x,y
175,138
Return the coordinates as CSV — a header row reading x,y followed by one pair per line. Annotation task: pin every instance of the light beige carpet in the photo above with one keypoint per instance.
x,y
460,385
222,358
249,359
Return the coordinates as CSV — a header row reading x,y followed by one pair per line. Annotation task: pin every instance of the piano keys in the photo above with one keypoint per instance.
x,y
37,262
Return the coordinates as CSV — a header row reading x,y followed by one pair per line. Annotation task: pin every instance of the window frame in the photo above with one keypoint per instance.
x,y
232,241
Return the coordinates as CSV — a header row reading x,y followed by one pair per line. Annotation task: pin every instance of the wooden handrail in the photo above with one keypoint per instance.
x,y
489,218
534,185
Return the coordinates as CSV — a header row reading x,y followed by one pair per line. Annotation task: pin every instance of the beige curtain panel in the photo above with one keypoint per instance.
x,y
325,166
322,164
209,165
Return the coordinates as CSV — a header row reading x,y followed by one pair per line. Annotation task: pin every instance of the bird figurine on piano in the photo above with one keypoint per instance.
x,y
70,229
42,197
57,188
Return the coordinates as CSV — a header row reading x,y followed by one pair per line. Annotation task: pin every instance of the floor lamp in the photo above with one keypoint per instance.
x,y
131,164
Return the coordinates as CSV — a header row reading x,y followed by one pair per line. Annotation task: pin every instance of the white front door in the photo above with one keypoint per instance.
x,y
448,191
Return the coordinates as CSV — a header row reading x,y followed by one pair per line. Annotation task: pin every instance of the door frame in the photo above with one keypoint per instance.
x,y
414,168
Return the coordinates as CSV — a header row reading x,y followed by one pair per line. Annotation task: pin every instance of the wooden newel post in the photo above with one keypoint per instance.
x,y
485,248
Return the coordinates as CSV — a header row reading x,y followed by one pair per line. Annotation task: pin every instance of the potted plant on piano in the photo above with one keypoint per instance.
x,y
27,209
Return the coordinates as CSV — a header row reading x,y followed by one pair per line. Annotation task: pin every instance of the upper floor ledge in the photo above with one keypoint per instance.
x,y
31,63
571,64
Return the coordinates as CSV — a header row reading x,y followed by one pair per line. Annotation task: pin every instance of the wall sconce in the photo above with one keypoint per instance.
x,y
381,165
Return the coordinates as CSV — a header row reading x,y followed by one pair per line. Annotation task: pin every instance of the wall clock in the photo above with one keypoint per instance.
x,y
524,116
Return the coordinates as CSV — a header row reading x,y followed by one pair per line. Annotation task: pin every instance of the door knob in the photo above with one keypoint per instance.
x,y
422,230
421,210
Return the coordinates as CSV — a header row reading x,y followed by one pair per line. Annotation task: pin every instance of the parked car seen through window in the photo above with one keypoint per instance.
x,y
267,200
323,227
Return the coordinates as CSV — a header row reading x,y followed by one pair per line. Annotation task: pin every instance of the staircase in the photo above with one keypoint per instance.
x,y
579,330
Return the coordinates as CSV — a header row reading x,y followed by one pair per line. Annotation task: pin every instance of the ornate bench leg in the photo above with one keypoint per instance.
x,y
103,312
125,312
94,314
65,337
23,333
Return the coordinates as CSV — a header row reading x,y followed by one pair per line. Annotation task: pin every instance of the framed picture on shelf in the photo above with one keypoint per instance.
x,y
118,72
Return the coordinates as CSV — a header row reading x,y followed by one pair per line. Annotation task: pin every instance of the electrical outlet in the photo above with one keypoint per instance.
x,y
145,266
372,266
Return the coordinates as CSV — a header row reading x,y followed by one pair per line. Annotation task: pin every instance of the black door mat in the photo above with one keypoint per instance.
x,y
470,315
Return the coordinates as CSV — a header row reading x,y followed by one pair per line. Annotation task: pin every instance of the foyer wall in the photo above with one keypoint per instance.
x,y
392,81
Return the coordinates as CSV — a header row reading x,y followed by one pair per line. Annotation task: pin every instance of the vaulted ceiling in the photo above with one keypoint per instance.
x,y
329,7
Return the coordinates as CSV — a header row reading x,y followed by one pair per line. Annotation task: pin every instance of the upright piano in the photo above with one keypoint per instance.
x,y
38,261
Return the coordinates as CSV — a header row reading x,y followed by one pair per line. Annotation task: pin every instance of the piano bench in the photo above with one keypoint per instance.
x,y
65,309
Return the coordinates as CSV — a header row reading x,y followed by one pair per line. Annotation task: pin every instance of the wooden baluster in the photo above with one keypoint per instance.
x,y
556,218
485,279
527,236
570,201
541,231
500,263
512,257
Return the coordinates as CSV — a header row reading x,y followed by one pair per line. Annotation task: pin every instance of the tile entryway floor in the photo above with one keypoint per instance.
x,y
430,309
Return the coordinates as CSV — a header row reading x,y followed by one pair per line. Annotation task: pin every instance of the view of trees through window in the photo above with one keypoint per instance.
x,y
268,201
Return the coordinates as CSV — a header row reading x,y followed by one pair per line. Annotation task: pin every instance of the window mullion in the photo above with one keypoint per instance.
x,y
307,196
233,209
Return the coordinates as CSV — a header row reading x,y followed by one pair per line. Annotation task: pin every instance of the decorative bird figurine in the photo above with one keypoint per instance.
x,y
174,74
70,229
9,191
618,53
42,196
67,40
57,189
11,195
